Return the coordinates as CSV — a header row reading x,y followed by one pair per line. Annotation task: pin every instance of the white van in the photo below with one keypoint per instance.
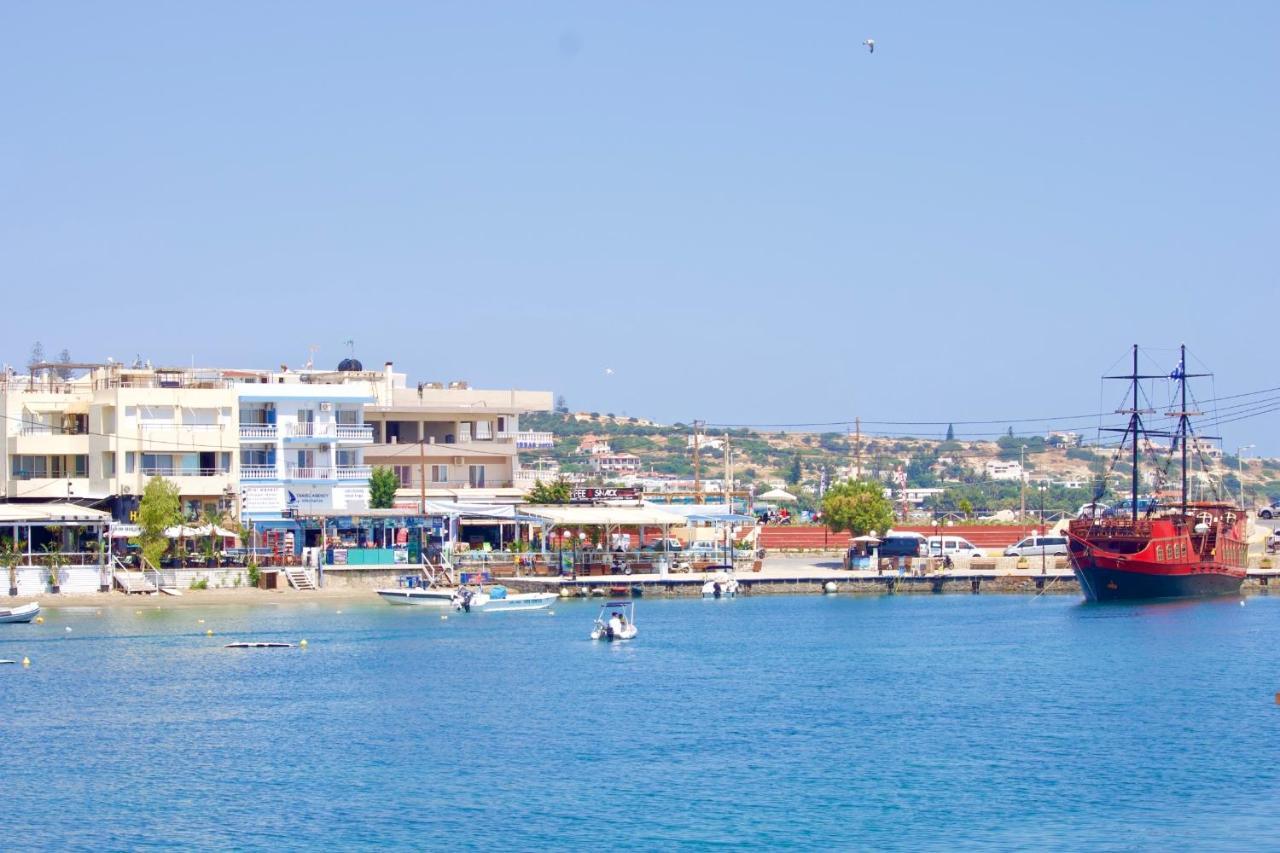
x,y
952,546
1034,546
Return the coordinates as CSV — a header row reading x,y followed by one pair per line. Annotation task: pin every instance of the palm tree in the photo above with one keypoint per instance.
x,y
55,559
11,555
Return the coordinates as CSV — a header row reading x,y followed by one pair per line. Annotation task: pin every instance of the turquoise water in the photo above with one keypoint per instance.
x,y
900,722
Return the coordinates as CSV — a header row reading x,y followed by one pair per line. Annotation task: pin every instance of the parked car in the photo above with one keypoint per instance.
x,y
1034,546
712,551
952,546
1272,511
1093,509
903,545
1125,507
670,544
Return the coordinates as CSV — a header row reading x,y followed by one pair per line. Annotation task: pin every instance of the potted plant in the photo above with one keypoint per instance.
x,y
55,560
11,554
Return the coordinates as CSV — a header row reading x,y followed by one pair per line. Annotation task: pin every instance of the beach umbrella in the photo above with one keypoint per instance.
x,y
778,495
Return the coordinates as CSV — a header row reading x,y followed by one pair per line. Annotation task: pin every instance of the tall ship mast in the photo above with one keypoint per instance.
x,y
1152,550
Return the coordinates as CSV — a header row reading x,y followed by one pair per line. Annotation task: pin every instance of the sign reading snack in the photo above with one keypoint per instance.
x,y
587,495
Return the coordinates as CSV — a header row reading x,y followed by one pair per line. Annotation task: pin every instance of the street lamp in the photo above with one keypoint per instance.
x,y
1043,529
1240,469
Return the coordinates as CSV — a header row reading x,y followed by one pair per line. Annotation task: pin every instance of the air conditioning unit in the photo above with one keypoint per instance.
x,y
326,407
458,460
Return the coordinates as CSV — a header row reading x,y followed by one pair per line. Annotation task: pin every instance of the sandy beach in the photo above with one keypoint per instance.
x,y
198,598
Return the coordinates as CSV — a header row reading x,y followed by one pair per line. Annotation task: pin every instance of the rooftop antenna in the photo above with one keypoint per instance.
x,y
311,355
351,347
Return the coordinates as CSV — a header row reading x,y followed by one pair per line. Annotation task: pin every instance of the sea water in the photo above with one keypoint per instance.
x,y
806,722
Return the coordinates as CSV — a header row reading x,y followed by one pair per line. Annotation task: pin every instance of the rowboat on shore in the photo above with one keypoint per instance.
x,y
25,613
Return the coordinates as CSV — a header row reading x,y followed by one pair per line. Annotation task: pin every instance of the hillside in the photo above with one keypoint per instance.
x,y
981,475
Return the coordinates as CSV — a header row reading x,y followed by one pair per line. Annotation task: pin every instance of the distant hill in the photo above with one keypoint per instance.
x,y
982,474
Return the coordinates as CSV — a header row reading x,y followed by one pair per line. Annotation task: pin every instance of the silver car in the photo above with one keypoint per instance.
x,y
1034,546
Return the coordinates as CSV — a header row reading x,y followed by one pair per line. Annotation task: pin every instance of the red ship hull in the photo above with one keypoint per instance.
x,y
1180,556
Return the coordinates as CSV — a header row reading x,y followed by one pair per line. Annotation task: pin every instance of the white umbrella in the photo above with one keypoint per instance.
x,y
182,532
778,495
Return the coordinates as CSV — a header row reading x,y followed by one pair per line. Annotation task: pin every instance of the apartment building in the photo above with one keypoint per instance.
x,y
255,442
451,441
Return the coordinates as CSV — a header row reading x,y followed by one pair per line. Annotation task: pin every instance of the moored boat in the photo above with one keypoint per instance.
x,y
25,613
433,597
1149,550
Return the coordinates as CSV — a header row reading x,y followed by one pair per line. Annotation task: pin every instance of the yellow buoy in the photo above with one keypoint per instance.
x,y
444,615
303,644
39,620
209,633
26,662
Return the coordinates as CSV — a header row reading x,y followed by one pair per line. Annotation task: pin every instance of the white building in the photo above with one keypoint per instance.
x,y
998,469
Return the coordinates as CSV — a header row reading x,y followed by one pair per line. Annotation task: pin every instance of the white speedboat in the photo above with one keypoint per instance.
x,y
616,621
435,597
498,598
25,613
720,585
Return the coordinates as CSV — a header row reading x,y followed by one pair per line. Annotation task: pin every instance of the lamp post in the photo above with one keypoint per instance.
x,y
1240,469
1043,529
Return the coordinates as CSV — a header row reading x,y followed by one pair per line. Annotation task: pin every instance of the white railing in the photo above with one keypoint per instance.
x,y
184,472
354,472
298,472
251,432
535,440
258,472
355,432
312,430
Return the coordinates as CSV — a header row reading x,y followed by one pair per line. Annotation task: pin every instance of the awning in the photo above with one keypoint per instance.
x,y
51,513
611,516
777,495
713,513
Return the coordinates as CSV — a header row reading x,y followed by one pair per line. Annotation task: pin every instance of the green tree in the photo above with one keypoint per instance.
x,y
11,555
858,507
556,492
951,432
64,357
159,509
383,483
965,506
796,472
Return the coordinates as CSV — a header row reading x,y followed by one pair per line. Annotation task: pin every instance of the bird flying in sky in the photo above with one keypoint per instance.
x,y
871,45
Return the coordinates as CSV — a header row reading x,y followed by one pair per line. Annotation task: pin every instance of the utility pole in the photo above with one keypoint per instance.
x,y
1022,488
858,449
728,472
697,461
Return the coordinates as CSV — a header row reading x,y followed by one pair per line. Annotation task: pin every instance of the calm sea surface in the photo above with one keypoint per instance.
x,y
899,722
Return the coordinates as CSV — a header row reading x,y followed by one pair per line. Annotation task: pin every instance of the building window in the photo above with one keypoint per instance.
x,y
130,461
404,475
477,476
348,458
464,431
108,465
484,431
349,417
502,424
80,465
439,473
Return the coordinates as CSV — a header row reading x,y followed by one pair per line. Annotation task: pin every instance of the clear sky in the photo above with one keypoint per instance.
x,y
734,206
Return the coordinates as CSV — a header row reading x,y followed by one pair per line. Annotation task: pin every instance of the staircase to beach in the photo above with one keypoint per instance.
x,y
298,577
130,582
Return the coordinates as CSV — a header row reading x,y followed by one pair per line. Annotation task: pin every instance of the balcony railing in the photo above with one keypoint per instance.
x,y
311,430
535,440
299,472
355,432
258,472
183,472
258,432
354,472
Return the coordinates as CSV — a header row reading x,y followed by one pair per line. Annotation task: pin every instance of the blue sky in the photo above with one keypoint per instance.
x,y
732,205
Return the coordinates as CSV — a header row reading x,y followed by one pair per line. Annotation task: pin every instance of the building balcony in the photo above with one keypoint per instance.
x,y
354,472
258,472
356,433
534,440
184,472
311,432
258,432
299,472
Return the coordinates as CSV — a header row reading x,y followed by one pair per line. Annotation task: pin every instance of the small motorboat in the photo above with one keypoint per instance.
x,y
431,597
616,621
720,585
25,613
258,646
498,598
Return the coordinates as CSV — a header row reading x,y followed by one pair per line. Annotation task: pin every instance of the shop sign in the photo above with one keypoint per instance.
x,y
586,495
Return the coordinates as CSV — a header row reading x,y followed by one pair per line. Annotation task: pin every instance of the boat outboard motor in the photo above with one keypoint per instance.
x,y
716,589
